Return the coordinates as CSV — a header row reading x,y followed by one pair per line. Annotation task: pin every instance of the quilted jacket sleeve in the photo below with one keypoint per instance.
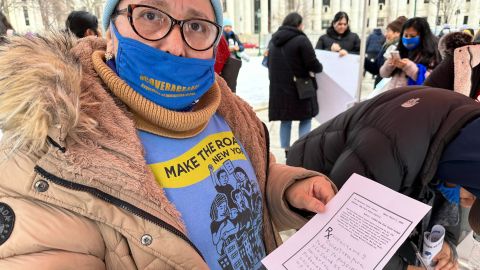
x,y
280,178
41,236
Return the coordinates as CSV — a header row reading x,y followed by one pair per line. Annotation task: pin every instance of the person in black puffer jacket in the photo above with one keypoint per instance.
x,y
339,38
397,139
291,55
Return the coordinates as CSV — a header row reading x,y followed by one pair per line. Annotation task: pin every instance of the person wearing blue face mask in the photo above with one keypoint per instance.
x,y
124,153
416,57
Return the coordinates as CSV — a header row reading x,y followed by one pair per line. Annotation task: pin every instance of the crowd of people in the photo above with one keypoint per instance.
x,y
126,147
427,153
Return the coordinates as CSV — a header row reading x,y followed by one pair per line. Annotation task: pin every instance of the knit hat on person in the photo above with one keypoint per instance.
x,y
227,22
397,24
110,6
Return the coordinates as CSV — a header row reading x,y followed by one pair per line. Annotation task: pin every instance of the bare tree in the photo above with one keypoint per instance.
x,y
303,7
446,9
53,12
89,5
5,6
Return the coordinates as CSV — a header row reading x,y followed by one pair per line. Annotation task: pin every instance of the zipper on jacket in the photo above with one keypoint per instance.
x,y
117,202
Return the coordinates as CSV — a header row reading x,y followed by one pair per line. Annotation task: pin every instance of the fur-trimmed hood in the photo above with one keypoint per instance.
x,y
50,94
451,41
40,88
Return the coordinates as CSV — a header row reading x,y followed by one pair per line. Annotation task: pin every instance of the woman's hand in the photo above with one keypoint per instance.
x,y
342,53
310,194
466,198
445,260
335,47
234,48
401,63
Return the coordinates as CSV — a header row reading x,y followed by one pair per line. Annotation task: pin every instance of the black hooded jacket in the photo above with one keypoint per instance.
x,y
290,54
396,139
348,41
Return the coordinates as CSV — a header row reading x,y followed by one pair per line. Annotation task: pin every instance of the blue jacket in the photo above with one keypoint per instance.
x,y
375,41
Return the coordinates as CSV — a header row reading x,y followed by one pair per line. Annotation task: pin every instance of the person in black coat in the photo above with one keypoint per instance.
x,y
339,38
291,55
398,139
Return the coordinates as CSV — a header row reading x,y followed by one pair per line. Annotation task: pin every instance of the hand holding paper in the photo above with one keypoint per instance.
x,y
310,194
362,227
432,244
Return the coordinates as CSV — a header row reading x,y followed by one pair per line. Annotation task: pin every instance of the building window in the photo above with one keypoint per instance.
x,y
325,24
291,4
381,22
382,2
465,20
426,1
258,16
326,2
439,20
313,4
25,14
380,7
224,3
325,9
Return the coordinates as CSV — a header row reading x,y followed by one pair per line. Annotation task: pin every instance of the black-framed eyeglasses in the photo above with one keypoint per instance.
x,y
152,24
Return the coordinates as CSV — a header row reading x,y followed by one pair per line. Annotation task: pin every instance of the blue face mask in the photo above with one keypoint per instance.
x,y
170,81
411,43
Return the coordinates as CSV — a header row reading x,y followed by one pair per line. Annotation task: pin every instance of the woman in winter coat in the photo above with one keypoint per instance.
x,y
392,37
460,69
291,55
339,38
418,141
108,147
418,56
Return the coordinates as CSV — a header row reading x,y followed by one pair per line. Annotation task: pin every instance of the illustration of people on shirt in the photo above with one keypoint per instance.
x,y
235,211
245,213
222,185
257,225
243,182
221,227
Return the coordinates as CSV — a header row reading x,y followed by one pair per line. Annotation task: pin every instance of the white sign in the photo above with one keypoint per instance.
x,y
362,228
337,84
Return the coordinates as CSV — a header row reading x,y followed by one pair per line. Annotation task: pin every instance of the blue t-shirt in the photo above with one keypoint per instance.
x,y
212,183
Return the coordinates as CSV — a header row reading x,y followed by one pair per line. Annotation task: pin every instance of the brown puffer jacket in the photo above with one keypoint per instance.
x,y
75,190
